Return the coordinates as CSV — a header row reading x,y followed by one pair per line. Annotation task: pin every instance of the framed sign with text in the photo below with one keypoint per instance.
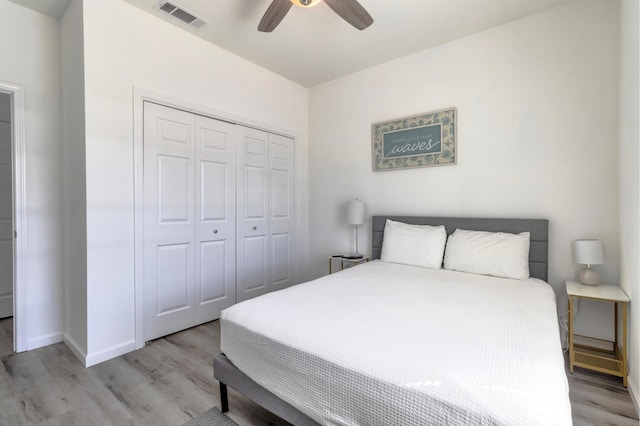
x,y
418,141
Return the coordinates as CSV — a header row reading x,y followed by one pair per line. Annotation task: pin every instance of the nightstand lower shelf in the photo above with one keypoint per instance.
x,y
596,359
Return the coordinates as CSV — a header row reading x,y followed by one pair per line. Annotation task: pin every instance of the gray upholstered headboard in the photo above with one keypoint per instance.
x,y
539,229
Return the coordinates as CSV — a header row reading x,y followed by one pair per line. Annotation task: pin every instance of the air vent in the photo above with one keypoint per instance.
x,y
181,14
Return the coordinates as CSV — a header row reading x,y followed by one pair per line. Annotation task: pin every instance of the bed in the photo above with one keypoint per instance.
x,y
386,343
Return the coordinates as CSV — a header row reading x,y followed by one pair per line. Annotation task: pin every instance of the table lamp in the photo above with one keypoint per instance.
x,y
588,252
356,215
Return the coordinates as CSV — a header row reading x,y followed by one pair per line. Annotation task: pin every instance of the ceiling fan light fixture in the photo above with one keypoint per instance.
x,y
349,10
305,3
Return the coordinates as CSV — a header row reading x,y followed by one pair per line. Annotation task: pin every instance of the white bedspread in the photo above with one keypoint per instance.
x,y
387,344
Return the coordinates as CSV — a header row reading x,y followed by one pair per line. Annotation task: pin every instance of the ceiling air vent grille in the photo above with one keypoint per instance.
x,y
181,13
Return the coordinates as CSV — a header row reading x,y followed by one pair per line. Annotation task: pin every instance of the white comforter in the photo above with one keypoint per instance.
x,y
387,344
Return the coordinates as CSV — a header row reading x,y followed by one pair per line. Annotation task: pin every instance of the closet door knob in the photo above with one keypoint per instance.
x,y
255,227
215,231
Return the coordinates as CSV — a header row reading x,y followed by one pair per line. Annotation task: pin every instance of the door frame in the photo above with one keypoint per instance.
x,y
140,96
18,143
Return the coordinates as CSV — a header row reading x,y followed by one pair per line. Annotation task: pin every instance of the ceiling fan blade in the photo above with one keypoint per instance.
x,y
275,13
352,12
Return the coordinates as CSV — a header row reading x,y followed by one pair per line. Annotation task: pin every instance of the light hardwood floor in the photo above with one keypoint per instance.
x,y
170,380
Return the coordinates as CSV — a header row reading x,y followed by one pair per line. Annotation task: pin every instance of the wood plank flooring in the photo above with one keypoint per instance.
x,y
170,380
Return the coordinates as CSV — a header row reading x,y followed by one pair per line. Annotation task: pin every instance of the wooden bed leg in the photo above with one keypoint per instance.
x,y
224,400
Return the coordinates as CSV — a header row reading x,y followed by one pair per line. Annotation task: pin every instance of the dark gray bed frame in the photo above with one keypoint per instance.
x,y
228,374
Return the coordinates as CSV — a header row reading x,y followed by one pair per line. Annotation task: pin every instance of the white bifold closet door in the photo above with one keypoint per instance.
x,y
189,219
6,219
265,205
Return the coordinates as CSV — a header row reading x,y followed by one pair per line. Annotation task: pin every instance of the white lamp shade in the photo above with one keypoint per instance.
x,y
588,252
356,212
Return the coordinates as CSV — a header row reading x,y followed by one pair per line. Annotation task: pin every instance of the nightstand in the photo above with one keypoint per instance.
x,y
345,262
612,361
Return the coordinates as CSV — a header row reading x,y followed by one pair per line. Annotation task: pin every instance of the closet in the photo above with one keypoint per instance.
x,y
218,217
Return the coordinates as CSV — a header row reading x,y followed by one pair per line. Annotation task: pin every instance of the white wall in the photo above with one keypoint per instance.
x,y
124,48
75,222
537,137
630,179
30,54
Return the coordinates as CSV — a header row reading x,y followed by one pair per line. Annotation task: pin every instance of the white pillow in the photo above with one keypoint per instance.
x,y
417,245
489,253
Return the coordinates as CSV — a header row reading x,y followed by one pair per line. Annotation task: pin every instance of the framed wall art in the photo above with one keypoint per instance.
x,y
423,140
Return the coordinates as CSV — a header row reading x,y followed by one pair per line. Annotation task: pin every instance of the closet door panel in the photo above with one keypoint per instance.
x,y
255,250
214,204
253,257
215,216
213,272
174,183
281,255
169,220
255,178
173,278
6,218
281,213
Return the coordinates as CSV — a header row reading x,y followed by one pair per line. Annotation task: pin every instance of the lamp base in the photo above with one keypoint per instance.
x,y
588,276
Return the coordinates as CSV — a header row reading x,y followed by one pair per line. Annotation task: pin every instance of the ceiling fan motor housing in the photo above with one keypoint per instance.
x,y
305,3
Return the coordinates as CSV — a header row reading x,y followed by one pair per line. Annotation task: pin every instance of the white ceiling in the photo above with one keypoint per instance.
x,y
314,45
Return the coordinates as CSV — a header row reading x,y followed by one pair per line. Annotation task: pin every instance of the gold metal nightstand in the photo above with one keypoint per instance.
x,y
345,262
613,361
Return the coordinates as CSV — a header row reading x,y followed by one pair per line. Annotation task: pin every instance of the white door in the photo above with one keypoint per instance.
x,y
188,215
216,217
253,260
265,194
281,207
6,209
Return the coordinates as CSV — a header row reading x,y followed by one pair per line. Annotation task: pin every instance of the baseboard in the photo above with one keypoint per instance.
x,y
107,354
97,358
46,340
75,348
633,392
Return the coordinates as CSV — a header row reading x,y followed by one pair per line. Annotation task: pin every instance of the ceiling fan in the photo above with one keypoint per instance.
x,y
349,10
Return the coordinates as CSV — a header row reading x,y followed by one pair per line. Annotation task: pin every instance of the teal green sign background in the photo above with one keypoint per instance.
x,y
417,140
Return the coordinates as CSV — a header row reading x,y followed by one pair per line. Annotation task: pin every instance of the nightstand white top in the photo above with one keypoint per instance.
x,y
602,292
